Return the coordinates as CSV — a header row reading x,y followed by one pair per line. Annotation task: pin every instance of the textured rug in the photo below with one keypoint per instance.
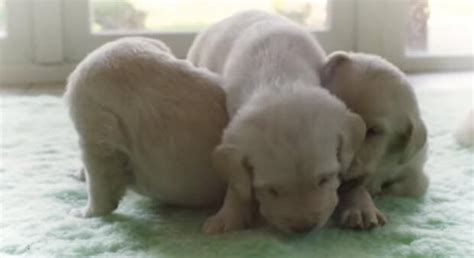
x,y
39,153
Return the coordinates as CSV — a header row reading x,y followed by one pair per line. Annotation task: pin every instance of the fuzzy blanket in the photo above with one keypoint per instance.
x,y
39,152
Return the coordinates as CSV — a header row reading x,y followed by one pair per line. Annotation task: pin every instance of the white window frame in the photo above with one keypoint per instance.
x,y
79,40
47,38
14,44
32,51
379,27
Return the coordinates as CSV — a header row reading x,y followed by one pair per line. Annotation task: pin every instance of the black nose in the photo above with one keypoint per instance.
x,y
302,229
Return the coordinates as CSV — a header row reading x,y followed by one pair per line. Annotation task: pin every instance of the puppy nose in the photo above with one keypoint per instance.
x,y
302,229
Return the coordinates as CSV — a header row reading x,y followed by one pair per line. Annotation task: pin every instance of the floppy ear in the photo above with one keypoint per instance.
x,y
416,139
350,142
333,61
233,167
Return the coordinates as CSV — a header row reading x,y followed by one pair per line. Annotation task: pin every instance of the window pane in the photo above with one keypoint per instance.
x,y
194,15
440,27
3,18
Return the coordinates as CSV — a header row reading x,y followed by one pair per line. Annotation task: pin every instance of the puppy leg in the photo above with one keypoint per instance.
x,y
414,184
234,214
357,210
106,178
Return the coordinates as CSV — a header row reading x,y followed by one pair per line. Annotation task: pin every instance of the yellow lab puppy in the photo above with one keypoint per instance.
x,y
392,157
283,152
148,121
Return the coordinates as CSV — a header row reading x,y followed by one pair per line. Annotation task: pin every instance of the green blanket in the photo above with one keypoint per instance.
x,y
39,152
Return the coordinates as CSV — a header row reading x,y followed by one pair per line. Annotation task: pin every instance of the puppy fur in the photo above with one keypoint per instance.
x,y
465,130
146,120
282,151
392,157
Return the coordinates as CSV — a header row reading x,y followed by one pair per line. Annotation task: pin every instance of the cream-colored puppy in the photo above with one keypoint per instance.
x,y
392,157
146,120
465,130
282,152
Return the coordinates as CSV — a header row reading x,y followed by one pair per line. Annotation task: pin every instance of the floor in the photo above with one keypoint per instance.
x,y
55,89
39,153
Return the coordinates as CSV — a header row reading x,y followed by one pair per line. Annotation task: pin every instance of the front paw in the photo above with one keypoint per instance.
x,y
223,222
79,213
357,218
89,212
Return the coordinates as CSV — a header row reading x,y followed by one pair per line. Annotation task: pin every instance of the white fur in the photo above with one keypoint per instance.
x,y
146,120
465,130
393,155
288,139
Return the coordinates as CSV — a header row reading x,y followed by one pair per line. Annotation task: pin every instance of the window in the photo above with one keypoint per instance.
x,y
90,23
43,40
418,35
440,27
161,16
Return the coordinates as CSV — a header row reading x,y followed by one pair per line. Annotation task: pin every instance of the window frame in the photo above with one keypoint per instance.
x,y
392,24
46,38
14,44
79,39
32,50
338,36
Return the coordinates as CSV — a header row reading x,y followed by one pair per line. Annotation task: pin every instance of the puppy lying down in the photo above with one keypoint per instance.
x,y
288,140
146,120
392,157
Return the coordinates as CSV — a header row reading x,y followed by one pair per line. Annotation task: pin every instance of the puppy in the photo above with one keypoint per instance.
x,y
148,121
392,157
465,130
282,153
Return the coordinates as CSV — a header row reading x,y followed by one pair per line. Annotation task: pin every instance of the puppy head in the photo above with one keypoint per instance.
x,y
287,152
380,93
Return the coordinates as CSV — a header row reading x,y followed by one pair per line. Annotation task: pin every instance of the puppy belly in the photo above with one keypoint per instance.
x,y
178,185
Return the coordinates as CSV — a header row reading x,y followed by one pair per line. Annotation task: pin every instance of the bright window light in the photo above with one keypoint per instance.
x,y
440,27
194,15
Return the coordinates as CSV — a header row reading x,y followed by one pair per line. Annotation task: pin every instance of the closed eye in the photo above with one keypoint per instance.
x,y
374,131
273,192
323,181
325,178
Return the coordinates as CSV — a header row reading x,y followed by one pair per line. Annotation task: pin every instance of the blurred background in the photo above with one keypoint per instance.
x,y
42,40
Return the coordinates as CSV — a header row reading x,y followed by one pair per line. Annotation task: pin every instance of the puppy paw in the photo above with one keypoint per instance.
x,y
222,222
79,213
356,218
87,213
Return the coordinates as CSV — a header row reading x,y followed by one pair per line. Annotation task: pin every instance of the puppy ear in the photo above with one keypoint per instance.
x,y
416,139
234,168
349,144
333,61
